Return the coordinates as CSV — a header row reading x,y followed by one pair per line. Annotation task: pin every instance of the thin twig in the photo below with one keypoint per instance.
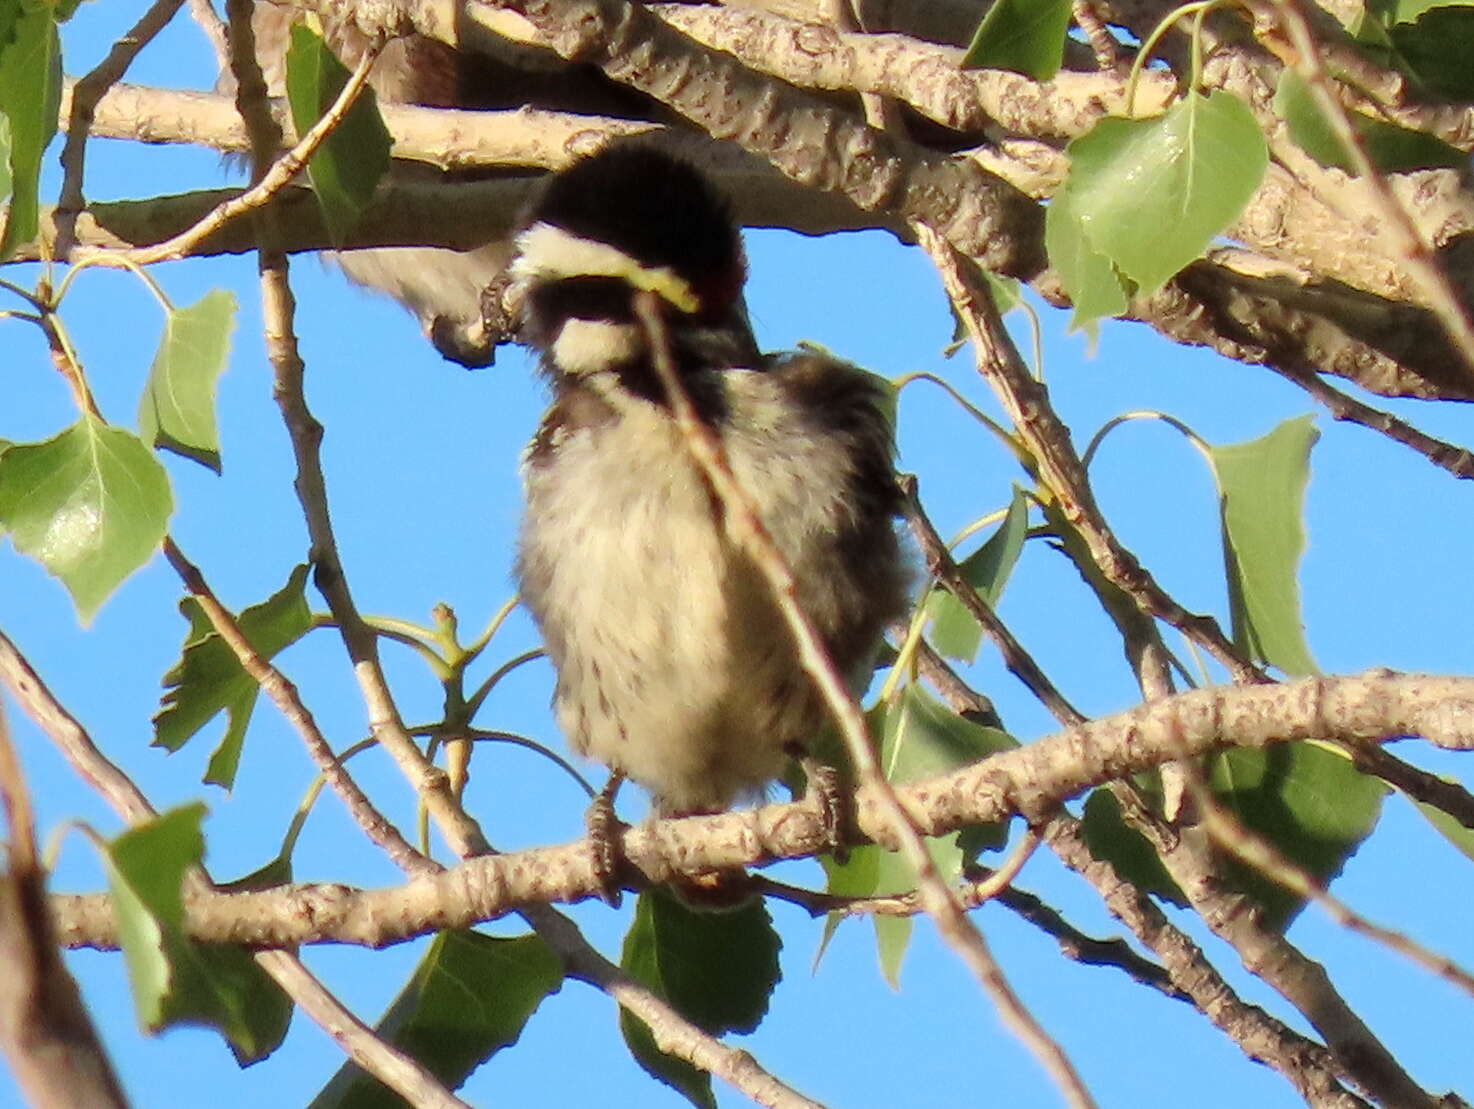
x,y
374,824
940,902
1048,440
1456,460
1231,834
203,13
960,697
394,1068
942,566
45,1032
1307,1065
85,95
1196,868
1109,55
273,181
398,1070
70,738
1421,786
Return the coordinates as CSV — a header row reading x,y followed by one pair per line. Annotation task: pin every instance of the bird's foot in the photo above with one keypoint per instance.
x,y
824,789
606,840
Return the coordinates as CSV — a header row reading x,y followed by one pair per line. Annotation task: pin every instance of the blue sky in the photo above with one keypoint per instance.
x,y
421,467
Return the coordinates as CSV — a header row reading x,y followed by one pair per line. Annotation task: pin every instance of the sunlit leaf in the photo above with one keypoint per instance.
x,y
30,97
919,737
90,505
177,411
717,969
1314,807
208,677
1262,505
1025,36
954,632
1152,194
470,996
1391,148
174,979
1457,834
347,167
1095,287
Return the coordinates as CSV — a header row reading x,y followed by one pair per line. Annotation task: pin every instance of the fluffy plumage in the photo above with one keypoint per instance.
x,y
673,664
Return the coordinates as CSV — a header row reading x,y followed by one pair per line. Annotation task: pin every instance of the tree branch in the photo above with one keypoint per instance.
x,y
1031,781
45,1032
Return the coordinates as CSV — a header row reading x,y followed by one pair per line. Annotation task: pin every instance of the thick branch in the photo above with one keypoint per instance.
x,y
1031,781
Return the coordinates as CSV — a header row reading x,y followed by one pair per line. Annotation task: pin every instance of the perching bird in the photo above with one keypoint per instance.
x,y
674,666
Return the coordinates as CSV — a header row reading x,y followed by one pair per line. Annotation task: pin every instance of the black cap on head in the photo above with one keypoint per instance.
x,y
658,210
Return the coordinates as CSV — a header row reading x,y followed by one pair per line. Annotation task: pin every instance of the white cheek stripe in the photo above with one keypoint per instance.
x,y
549,253
589,346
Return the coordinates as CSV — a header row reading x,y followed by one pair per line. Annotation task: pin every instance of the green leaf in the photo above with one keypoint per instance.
x,y
90,505
1312,805
1007,294
10,12
208,678
30,96
1025,36
1393,149
174,979
1152,194
1262,500
347,167
717,969
954,632
177,411
1458,835
1309,128
1095,286
1408,11
1111,839
5,148
919,737
470,996
1438,49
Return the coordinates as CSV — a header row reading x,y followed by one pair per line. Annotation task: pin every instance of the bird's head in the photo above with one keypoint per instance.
x,y
630,219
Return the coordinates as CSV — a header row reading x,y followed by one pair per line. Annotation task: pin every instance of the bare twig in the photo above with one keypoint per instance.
x,y
673,1033
1421,786
941,565
276,178
391,1066
1456,460
284,695
1032,781
1059,466
85,95
1262,855
209,21
1109,55
70,738
939,901
1359,1054
1307,1065
47,1037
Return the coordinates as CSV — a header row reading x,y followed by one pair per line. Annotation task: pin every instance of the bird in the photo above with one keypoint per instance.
x,y
673,664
